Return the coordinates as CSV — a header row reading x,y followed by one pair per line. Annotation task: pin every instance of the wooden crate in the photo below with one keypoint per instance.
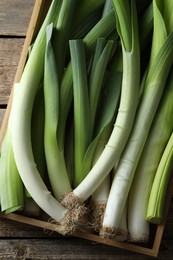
x,y
152,247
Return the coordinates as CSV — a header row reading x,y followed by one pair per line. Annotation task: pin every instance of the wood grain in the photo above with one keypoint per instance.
x,y
10,51
71,248
12,229
15,16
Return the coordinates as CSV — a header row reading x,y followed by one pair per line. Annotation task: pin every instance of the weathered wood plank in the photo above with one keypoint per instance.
x,y
12,229
15,16
10,51
71,248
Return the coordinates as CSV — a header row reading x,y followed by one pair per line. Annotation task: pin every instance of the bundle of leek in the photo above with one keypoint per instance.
x,y
102,107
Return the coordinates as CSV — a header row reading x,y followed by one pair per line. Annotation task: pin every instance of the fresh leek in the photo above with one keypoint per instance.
x,y
103,91
82,122
155,211
127,109
159,134
55,159
12,195
21,136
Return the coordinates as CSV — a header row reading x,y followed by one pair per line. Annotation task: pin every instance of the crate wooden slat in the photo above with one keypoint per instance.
x,y
2,112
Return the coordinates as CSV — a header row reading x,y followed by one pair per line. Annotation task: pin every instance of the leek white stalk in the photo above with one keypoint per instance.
x,y
122,232
32,179
100,196
99,200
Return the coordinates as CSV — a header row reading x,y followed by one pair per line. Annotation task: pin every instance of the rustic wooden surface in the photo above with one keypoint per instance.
x,y
20,241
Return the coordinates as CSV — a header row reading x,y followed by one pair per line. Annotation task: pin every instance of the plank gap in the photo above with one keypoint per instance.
x,y
7,36
3,106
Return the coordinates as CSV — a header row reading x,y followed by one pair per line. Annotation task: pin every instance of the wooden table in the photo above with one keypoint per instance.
x,y
19,241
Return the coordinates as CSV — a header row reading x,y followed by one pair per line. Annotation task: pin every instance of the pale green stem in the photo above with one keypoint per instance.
x,y
101,30
57,171
156,205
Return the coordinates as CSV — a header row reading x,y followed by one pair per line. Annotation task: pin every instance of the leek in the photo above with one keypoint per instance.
x,y
146,26
63,27
99,200
84,9
21,136
85,104
37,132
11,186
55,159
127,110
101,30
82,123
99,197
107,7
122,233
86,25
155,211
159,134
101,58
110,99
106,111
